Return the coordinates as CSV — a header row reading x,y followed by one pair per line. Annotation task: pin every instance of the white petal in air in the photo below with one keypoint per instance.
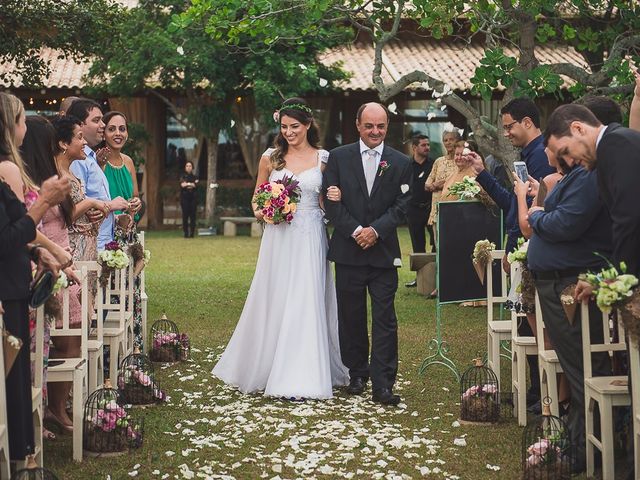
x,y
397,262
323,82
393,108
404,188
430,115
232,123
302,66
180,50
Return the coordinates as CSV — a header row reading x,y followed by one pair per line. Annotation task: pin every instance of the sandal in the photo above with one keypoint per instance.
x,y
48,434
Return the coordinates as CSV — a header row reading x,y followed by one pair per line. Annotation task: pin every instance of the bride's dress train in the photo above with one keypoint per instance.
x,y
286,341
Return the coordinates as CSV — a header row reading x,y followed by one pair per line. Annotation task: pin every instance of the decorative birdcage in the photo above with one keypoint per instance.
x,y
33,472
479,394
168,344
137,384
546,448
108,428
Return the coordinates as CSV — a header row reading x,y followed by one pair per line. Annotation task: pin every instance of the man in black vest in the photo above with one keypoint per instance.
x,y
374,180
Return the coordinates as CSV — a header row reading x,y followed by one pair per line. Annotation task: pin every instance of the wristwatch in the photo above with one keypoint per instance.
x,y
33,252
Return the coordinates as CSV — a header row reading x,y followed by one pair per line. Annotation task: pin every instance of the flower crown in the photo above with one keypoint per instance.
x,y
292,106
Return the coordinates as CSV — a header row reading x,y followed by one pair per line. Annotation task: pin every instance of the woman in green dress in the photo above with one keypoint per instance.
x,y
121,175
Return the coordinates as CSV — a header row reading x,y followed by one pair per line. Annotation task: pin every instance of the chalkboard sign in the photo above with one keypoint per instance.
x,y
460,225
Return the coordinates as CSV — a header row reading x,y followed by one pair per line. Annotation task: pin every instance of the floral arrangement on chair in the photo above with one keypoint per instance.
x,y
278,200
52,307
113,257
526,288
614,288
482,257
140,257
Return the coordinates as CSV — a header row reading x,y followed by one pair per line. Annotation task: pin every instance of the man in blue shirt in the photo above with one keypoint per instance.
x,y
521,125
88,171
573,224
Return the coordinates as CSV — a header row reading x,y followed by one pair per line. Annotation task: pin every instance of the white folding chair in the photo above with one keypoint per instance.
x,y
607,392
634,367
36,388
498,331
95,344
521,346
74,369
548,364
111,310
5,466
144,299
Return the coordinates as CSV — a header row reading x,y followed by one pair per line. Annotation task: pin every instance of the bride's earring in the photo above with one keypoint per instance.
x,y
64,152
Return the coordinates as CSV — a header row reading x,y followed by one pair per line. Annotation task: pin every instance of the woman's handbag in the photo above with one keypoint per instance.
x,y
41,289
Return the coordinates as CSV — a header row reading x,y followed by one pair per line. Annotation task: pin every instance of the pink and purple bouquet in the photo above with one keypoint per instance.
x,y
134,379
543,452
278,200
112,429
170,347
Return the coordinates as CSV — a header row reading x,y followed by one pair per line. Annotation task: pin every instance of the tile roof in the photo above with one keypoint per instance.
x,y
453,63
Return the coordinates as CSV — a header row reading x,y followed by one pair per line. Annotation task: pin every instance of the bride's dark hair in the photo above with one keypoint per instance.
x,y
299,109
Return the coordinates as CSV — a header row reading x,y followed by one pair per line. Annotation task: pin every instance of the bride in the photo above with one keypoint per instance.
x,y
286,341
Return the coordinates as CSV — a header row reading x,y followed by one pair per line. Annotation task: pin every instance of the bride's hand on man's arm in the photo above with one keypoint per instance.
x,y
334,194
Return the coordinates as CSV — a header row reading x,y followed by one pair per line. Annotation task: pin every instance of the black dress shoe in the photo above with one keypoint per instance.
x,y
386,397
411,284
356,386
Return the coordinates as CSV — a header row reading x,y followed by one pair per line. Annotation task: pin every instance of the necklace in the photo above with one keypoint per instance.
x,y
117,166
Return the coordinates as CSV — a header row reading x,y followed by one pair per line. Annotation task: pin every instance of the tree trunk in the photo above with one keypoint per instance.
x,y
212,176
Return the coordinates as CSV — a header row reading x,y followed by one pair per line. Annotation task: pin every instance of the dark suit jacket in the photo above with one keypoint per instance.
x,y
384,210
618,167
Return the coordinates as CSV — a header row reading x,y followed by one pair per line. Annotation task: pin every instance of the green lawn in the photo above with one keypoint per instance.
x,y
210,431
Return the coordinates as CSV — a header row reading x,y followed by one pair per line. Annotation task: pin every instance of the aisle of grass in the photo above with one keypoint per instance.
x,y
202,284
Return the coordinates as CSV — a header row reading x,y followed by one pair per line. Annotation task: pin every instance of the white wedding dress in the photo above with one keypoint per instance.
x,y
286,341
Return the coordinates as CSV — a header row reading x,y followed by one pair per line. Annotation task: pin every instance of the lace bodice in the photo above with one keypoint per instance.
x,y
310,183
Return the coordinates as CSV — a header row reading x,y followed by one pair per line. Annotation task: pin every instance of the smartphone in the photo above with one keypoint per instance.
x,y
521,171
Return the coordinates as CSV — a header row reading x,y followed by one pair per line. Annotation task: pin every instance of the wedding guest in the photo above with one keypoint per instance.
x,y
521,125
443,168
119,168
604,108
188,200
87,169
573,224
65,104
419,206
17,232
614,153
39,148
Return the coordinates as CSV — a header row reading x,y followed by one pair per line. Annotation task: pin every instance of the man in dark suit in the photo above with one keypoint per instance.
x,y
574,131
614,152
375,181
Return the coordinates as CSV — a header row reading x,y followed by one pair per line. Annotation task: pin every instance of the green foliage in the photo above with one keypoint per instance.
x,y
27,26
138,139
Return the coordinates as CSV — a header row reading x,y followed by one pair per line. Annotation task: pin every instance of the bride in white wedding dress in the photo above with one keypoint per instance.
x,y
286,341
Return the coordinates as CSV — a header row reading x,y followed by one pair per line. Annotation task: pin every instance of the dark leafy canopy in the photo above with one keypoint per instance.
x,y
68,26
152,47
603,32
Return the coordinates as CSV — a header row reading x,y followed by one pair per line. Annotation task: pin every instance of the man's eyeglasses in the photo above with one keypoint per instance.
x,y
509,126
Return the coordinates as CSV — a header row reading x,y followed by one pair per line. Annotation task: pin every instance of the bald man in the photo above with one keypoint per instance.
x,y
374,180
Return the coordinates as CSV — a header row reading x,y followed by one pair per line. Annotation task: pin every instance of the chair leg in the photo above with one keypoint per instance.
x,y
37,431
522,389
493,353
606,428
78,407
589,433
636,445
100,368
114,348
5,466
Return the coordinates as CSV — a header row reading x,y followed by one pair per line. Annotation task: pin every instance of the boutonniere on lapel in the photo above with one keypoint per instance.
x,y
384,166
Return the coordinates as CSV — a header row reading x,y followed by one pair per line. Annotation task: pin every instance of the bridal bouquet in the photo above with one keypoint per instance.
x,y
278,200
467,189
